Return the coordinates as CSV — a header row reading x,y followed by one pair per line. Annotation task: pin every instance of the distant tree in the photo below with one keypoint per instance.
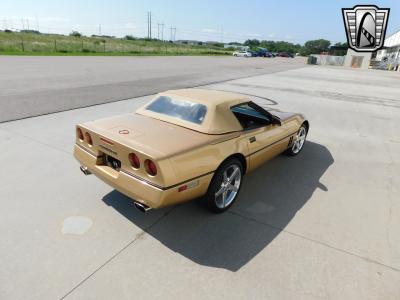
x,y
316,46
252,43
130,37
342,45
75,34
276,46
216,44
339,49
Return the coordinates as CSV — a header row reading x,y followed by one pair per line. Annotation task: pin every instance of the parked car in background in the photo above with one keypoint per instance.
x,y
242,54
269,54
285,54
254,53
261,52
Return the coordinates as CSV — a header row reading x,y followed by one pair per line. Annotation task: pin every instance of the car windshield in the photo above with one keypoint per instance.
x,y
180,109
246,109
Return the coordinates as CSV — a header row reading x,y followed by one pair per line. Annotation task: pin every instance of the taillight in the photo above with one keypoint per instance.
x,y
150,166
88,139
134,159
79,133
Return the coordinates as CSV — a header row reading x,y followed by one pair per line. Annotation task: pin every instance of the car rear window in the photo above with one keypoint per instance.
x,y
180,109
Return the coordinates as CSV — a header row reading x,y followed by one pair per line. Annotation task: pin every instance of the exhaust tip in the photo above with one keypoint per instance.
x,y
85,170
143,208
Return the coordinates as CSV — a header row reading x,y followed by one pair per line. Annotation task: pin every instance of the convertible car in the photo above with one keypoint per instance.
x,y
185,144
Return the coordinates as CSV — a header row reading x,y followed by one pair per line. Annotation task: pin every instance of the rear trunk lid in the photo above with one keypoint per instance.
x,y
152,137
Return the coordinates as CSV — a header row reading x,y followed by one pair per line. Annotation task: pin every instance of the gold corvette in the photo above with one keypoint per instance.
x,y
185,144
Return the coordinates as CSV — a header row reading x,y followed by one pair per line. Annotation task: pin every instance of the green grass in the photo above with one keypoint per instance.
x,y
15,43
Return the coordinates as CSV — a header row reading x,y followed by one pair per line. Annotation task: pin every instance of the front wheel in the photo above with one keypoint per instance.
x,y
298,141
225,186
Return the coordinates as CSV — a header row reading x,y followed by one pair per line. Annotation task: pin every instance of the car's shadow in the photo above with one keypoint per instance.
x,y
269,199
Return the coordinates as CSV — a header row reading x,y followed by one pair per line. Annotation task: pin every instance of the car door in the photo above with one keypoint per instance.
x,y
265,138
265,143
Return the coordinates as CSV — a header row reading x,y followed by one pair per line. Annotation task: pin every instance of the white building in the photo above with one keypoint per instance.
x,y
391,49
387,58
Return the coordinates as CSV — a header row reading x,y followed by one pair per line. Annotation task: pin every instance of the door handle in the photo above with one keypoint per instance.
x,y
252,139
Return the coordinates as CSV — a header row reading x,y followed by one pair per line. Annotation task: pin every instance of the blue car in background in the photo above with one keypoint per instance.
x,y
261,52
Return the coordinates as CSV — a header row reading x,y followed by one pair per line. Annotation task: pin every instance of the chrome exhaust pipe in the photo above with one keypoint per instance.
x,y
85,170
143,208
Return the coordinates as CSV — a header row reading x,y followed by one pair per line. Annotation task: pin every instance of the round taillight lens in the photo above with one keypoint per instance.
x,y
88,139
150,166
79,134
134,159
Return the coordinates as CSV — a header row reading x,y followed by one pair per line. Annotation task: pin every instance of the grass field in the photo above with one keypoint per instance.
x,y
16,43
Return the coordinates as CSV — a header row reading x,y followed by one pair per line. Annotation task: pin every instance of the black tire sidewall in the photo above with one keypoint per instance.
x,y
210,196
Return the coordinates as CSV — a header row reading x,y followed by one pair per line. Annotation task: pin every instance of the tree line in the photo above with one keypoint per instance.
x,y
310,47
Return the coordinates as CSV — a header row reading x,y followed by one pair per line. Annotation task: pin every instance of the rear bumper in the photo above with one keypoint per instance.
x,y
138,189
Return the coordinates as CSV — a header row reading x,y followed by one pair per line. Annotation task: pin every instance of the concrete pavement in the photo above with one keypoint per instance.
x,y
37,85
325,224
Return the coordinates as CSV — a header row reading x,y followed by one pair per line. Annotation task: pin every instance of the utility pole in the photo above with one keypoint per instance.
x,y
158,30
173,33
22,23
99,29
162,31
149,25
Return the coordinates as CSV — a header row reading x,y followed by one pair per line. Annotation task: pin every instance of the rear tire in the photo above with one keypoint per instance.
x,y
225,186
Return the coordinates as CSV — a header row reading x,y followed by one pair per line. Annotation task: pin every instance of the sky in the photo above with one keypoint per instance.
x,y
227,21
